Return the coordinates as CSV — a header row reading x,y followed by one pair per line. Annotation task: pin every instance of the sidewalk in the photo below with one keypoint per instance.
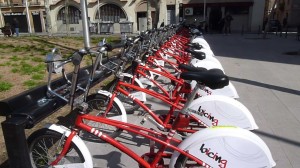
x,y
268,83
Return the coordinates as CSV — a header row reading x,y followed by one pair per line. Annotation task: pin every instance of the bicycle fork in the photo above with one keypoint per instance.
x,y
66,147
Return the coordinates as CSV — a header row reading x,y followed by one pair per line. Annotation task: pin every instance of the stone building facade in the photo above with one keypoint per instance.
x,y
130,15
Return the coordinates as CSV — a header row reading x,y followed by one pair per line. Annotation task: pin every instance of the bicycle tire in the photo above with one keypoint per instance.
x,y
43,147
97,104
129,105
182,161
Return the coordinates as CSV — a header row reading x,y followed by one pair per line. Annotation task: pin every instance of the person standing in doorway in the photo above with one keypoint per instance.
x,y
227,24
16,26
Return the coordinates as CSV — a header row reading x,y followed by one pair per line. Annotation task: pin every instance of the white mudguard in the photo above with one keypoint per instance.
x,y
202,42
88,162
227,147
209,65
217,110
123,117
228,90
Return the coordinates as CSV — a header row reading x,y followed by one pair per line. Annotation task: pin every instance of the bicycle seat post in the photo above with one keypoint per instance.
x,y
190,99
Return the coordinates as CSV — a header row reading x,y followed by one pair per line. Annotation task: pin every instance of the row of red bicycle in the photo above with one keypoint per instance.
x,y
213,127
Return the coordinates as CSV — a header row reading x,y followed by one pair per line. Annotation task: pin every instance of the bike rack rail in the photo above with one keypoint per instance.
x,y
25,110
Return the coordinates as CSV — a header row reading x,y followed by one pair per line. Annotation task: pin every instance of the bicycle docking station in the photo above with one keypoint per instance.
x,y
27,109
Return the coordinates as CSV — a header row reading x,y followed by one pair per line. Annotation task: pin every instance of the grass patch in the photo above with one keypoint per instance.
x,y
4,86
7,63
4,46
111,39
25,58
37,77
31,84
45,52
27,69
15,70
15,58
40,68
37,59
17,49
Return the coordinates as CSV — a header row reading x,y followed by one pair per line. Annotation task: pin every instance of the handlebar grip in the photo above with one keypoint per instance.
x,y
76,58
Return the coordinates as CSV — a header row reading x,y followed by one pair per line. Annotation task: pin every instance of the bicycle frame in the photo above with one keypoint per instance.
x,y
166,141
140,71
174,103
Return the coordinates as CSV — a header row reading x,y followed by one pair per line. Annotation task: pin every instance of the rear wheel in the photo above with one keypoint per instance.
x,y
184,161
45,146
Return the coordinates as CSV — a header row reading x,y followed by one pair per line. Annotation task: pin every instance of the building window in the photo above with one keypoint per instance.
x,y
111,12
74,15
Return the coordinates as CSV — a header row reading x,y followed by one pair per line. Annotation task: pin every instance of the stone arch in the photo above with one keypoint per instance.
x,y
142,7
110,12
74,14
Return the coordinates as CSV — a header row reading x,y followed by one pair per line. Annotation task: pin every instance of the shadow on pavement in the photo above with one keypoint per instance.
x,y
273,87
282,139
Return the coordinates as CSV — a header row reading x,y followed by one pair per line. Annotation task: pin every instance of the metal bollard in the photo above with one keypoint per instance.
x,y
15,141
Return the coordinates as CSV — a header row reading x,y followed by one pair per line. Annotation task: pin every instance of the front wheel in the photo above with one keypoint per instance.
x,y
129,105
97,105
45,146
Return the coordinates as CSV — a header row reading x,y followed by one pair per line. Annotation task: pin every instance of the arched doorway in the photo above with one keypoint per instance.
x,y
74,15
111,12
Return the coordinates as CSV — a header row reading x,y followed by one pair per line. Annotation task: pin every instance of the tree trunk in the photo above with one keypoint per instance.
x,y
67,17
48,19
157,12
